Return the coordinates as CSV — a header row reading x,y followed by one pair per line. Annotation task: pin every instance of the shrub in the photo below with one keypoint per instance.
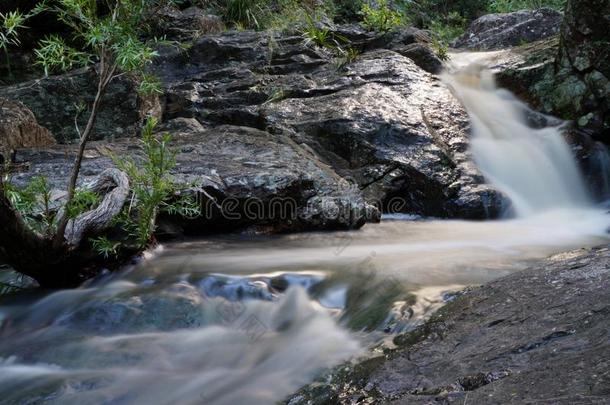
x,y
153,188
347,10
244,13
381,18
506,6
11,23
449,27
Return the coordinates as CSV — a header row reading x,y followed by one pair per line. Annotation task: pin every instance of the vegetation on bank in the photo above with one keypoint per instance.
x,y
447,19
55,244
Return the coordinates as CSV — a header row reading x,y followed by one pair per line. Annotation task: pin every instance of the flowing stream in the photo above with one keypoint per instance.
x,y
248,320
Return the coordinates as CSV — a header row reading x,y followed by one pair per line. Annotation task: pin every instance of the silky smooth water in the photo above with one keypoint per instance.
x,y
248,320
533,167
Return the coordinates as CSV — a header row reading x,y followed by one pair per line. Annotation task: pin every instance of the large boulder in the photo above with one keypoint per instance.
x,y
536,336
568,77
19,129
181,25
241,176
396,131
497,31
60,101
272,132
581,87
381,121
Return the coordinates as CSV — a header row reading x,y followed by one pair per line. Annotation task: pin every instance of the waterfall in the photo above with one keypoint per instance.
x,y
535,168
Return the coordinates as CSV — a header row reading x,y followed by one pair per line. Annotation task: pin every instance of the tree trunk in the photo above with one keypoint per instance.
x,y
107,69
64,265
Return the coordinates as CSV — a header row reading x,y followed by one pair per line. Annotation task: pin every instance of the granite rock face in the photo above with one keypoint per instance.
x,y
499,31
19,129
540,335
382,122
260,116
57,100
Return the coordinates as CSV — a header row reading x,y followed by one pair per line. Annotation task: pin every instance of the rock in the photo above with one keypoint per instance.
x,y
539,335
530,71
19,129
395,130
497,31
381,120
55,101
242,177
422,56
262,119
581,85
181,25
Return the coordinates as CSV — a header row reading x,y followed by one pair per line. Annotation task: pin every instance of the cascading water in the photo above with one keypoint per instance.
x,y
535,168
228,320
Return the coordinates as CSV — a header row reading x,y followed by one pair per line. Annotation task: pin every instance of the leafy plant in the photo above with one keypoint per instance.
x,y
440,49
276,95
243,12
347,56
423,12
288,15
113,40
105,247
321,36
449,27
381,18
33,203
507,6
84,200
54,54
10,25
318,36
153,187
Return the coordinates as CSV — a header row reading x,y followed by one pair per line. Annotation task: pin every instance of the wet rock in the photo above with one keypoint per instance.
x,y
393,129
582,81
182,25
267,116
497,31
422,56
536,336
19,129
364,121
56,100
569,77
241,176
530,72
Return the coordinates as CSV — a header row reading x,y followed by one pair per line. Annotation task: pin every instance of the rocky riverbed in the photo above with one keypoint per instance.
x,y
537,336
274,134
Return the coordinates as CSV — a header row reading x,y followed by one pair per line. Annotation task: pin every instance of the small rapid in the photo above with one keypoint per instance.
x,y
243,319
535,168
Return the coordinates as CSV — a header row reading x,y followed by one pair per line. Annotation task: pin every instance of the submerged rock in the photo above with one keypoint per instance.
x,y
498,31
